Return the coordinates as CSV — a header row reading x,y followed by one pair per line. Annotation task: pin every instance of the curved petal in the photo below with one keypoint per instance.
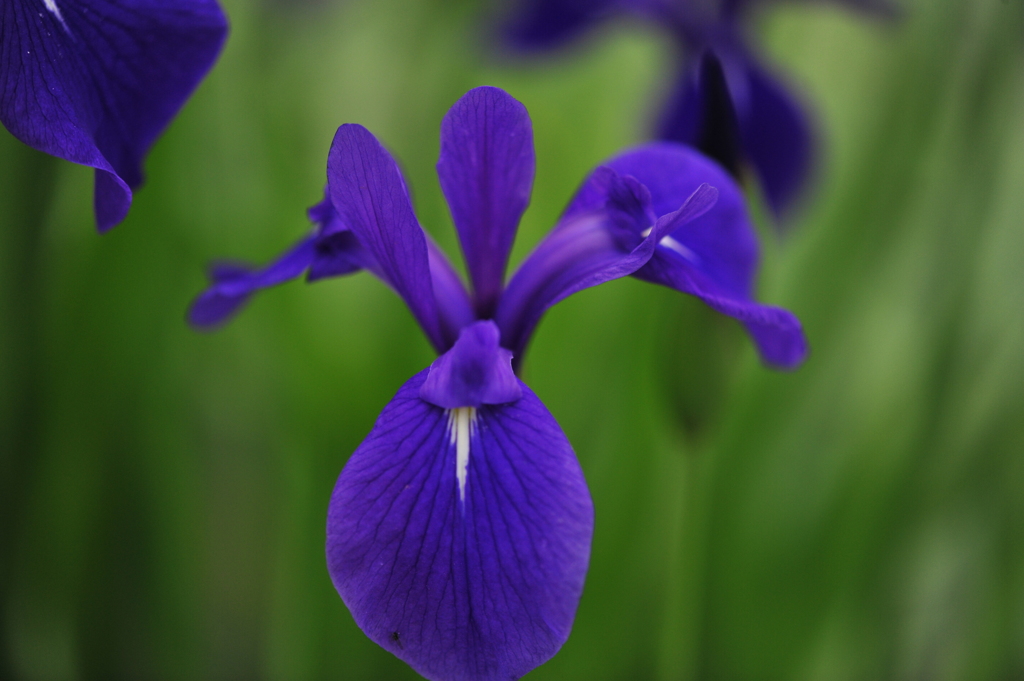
x,y
777,333
367,190
713,256
96,82
459,539
545,24
341,250
586,250
486,171
777,137
723,238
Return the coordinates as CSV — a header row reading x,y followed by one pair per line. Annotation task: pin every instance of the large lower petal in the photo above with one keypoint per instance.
x,y
369,193
471,572
486,172
96,82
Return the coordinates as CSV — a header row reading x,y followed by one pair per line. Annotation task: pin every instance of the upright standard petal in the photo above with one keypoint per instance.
x,y
470,575
369,193
96,82
454,308
486,171
588,248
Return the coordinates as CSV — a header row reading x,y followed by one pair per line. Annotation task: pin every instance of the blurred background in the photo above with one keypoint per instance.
x,y
163,493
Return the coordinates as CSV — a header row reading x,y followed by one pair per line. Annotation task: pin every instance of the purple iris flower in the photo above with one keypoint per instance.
x,y
96,81
725,102
459,531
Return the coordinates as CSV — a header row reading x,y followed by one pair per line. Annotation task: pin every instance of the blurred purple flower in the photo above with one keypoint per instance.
x,y
724,103
96,81
459,531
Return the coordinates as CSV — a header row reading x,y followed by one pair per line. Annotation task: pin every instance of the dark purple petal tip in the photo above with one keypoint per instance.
x,y
476,371
96,82
459,539
779,338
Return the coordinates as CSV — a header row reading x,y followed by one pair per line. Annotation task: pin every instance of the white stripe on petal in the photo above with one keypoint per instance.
x,y
460,425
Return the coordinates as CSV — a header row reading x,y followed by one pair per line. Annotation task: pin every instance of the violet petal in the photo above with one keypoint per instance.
x,y
777,138
587,249
369,193
713,256
723,239
486,171
338,251
776,332
96,82
459,539
232,284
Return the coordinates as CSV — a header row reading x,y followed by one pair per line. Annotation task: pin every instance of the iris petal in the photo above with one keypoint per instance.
x,y
234,283
777,137
332,251
714,256
453,304
587,249
486,171
480,585
776,332
96,82
369,193
701,114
